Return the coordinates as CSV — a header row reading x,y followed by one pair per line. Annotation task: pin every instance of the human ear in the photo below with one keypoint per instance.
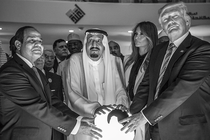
x,y
18,44
188,21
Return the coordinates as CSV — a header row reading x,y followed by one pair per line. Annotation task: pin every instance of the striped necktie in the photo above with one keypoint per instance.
x,y
164,66
3,57
38,76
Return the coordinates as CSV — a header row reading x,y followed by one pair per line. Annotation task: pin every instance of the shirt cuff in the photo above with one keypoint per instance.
x,y
94,109
77,126
145,116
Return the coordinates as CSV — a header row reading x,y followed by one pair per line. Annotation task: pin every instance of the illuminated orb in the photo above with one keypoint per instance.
x,y
111,127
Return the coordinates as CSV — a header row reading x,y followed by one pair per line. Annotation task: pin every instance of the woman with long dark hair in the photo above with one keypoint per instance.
x,y
143,39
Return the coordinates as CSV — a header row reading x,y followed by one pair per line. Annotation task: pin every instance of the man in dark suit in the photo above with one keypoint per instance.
x,y
49,61
56,87
28,110
53,79
55,83
61,52
174,98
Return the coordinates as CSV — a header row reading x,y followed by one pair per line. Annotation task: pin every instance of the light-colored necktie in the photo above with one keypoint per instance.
x,y
164,66
37,74
3,57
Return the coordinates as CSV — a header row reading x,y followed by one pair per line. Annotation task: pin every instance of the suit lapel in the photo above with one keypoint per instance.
x,y
32,77
55,66
177,54
45,83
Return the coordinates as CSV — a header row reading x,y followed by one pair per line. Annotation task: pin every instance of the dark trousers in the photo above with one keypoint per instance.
x,y
58,135
154,132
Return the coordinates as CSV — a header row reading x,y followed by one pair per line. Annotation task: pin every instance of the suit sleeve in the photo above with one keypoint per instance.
x,y
19,87
141,96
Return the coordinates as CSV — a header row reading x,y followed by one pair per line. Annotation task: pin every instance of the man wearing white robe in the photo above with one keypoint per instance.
x,y
92,78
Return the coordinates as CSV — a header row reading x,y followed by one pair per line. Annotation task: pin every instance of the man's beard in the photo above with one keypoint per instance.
x,y
94,52
94,55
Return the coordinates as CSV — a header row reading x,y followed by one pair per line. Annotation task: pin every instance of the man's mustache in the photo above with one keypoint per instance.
x,y
94,48
37,48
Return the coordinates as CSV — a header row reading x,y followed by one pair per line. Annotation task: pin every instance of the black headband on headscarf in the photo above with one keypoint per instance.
x,y
97,31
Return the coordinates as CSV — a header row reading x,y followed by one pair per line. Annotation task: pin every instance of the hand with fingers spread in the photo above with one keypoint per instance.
x,y
101,110
122,107
88,128
132,122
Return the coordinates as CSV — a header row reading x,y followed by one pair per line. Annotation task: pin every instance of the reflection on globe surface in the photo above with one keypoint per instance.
x,y
111,127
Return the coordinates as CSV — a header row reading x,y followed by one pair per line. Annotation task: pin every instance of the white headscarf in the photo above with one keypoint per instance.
x,y
109,86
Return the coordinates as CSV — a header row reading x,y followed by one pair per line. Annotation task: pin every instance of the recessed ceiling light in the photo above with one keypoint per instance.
x,y
71,31
130,32
0,28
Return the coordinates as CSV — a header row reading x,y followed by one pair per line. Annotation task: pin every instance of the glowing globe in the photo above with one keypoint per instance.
x,y
111,127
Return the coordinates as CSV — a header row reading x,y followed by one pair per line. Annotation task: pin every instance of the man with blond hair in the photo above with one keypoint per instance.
x,y
174,95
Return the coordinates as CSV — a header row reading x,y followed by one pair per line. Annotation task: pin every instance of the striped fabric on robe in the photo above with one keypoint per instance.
x,y
3,57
